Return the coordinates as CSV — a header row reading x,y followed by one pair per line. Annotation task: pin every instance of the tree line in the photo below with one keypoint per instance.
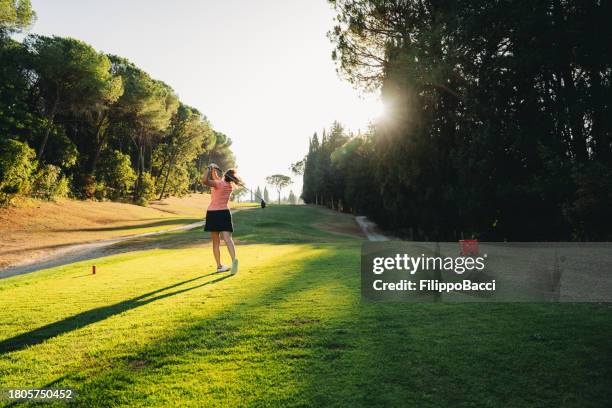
x,y
256,196
278,181
498,119
75,121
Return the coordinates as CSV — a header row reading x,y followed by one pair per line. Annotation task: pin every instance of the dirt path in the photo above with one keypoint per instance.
x,y
34,229
80,252
370,229
85,251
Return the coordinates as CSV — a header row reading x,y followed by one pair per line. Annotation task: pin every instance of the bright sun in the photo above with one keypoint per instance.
x,y
358,114
381,110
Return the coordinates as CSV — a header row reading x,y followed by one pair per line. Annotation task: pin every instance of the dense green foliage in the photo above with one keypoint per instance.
x,y
498,119
16,15
188,135
115,171
102,127
48,183
16,167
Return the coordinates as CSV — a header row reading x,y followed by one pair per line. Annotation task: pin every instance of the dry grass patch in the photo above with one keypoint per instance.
x,y
35,229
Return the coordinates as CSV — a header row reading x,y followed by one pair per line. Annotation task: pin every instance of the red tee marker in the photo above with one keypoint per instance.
x,y
93,269
468,247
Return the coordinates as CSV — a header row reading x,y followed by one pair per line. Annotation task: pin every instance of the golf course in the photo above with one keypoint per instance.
x,y
156,326
306,203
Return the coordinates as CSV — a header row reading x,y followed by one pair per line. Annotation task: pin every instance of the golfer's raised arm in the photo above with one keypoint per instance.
x,y
215,175
206,177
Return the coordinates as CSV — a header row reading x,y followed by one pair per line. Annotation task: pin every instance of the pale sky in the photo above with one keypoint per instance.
x,y
260,70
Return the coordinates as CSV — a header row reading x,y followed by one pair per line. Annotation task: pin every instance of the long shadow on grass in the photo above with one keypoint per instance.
x,y
88,317
313,353
233,329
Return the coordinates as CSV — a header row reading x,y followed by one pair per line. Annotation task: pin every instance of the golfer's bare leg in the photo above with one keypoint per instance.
x,y
215,243
229,242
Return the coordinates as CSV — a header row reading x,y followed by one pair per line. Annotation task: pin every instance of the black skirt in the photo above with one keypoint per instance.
x,y
219,220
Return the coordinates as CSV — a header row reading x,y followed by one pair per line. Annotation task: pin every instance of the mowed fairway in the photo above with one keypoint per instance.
x,y
154,327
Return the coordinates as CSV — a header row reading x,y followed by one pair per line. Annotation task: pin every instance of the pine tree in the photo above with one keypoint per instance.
x,y
266,195
292,198
309,190
258,195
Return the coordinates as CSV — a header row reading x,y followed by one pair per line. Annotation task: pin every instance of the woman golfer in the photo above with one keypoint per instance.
x,y
218,216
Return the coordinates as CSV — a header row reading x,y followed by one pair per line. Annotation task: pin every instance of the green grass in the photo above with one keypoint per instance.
x,y
155,328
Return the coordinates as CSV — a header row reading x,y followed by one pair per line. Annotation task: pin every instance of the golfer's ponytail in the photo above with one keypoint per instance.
x,y
230,176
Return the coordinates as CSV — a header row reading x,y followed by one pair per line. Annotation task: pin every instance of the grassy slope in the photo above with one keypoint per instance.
x,y
34,228
155,328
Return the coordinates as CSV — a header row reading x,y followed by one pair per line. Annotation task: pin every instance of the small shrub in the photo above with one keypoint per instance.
x,y
116,172
16,166
100,192
143,202
88,187
178,182
148,186
63,187
146,190
49,184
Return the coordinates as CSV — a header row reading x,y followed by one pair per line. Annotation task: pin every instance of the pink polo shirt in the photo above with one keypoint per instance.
x,y
220,195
